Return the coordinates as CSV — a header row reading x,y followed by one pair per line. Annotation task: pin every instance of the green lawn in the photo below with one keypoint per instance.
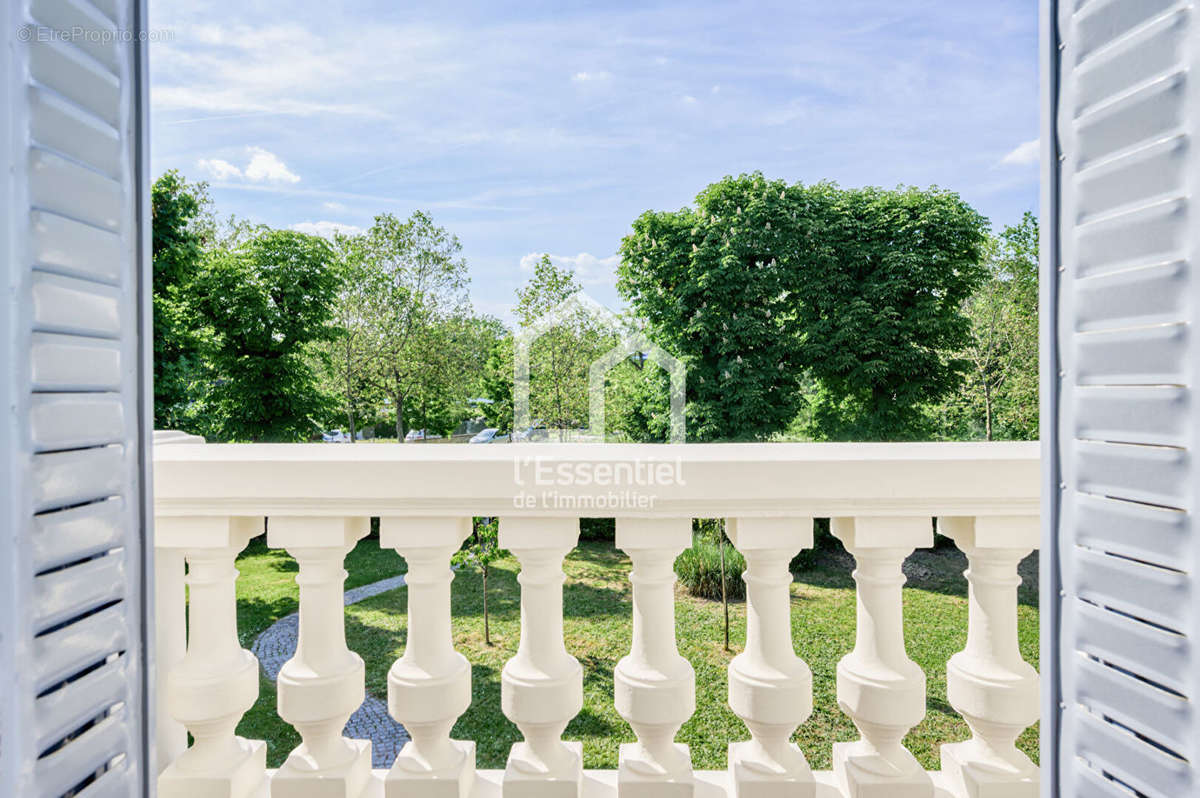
x,y
597,604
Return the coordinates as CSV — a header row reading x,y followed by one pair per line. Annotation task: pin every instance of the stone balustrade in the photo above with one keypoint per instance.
x,y
883,499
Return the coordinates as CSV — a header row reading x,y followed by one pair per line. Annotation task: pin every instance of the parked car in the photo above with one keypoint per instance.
x,y
489,435
421,435
335,436
535,432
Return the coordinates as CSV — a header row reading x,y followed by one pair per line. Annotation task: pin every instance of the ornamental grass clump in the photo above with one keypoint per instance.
x,y
699,570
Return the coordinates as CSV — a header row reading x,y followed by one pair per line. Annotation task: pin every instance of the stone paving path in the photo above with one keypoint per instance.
x,y
371,721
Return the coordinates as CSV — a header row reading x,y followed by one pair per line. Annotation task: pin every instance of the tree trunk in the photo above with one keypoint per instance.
x,y
987,411
349,392
724,594
487,636
399,417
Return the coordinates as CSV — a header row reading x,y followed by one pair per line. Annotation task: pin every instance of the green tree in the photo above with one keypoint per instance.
x,y
1001,395
496,383
481,550
559,358
417,279
765,285
179,213
265,304
455,348
881,307
345,358
637,401
712,284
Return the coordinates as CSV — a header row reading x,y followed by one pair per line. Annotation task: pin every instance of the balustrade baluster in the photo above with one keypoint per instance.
x,y
878,686
770,688
429,687
654,687
988,683
542,686
170,643
216,682
322,684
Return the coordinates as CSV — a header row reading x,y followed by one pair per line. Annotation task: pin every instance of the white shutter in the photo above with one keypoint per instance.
x,y
74,333
1122,560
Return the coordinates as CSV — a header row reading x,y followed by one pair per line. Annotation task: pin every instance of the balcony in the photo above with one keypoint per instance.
x,y
210,500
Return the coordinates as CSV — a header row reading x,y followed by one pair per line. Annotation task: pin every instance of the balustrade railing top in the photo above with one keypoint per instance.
x,y
824,480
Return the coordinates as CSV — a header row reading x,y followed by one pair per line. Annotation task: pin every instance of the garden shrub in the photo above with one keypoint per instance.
x,y
603,530
709,530
699,570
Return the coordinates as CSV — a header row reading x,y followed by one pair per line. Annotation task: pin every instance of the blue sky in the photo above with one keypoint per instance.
x,y
537,126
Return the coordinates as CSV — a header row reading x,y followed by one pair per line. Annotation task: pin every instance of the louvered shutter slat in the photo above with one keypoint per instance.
x,y
1130,472
65,245
75,534
67,187
78,77
1156,415
70,592
57,124
79,307
1153,534
68,14
84,644
74,363
65,479
1154,594
117,782
1140,356
1154,295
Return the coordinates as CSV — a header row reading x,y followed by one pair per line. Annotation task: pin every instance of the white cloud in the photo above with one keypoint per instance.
x,y
1025,154
219,169
584,77
265,167
337,207
326,229
589,269
689,99
245,67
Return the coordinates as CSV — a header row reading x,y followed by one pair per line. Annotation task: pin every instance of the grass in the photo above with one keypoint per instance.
x,y
597,605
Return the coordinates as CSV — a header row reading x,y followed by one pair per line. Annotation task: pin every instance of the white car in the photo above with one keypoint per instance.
x,y
335,436
489,435
535,432
421,435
